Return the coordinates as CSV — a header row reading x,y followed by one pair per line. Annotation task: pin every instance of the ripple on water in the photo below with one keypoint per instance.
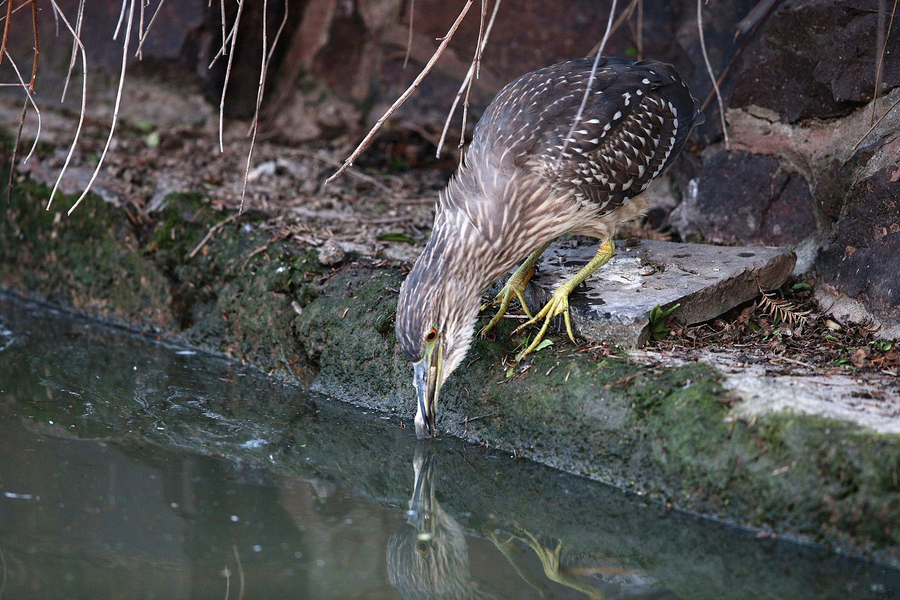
x,y
6,337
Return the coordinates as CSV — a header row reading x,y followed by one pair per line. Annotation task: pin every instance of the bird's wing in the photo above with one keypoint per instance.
x,y
635,121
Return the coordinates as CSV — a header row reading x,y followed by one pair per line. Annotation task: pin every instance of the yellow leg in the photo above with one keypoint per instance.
x,y
550,562
514,287
559,303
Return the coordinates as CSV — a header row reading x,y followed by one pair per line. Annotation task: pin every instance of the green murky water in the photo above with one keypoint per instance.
x,y
133,469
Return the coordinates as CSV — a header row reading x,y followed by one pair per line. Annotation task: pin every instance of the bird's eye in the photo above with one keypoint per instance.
x,y
422,548
431,335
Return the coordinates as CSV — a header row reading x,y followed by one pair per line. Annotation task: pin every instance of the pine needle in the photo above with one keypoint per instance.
x,y
781,310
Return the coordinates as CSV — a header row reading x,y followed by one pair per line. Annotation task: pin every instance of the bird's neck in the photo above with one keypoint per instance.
x,y
460,251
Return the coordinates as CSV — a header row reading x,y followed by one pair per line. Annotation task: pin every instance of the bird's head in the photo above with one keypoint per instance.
x,y
436,316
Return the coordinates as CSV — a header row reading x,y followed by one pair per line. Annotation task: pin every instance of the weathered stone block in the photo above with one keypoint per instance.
x,y
614,304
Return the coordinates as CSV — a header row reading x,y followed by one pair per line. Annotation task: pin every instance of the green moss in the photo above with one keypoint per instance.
x,y
87,260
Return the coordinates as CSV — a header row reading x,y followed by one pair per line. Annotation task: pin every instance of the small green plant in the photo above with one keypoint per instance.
x,y
659,321
883,345
545,343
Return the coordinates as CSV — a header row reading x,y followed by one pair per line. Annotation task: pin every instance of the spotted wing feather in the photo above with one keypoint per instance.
x,y
635,121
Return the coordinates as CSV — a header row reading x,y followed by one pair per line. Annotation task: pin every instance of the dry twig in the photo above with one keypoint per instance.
x,y
590,84
121,18
76,36
476,62
415,84
879,67
9,12
37,44
259,98
412,12
709,70
15,150
146,32
876,124
234,30
115,118
77,44
212,231
465,84
34,105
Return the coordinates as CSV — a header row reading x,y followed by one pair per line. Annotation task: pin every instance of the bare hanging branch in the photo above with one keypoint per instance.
x,y
9,12
149,26
709,70
76,37
224,40
879,68
476,61
80,47
34,105
15,151
412,13
56,20
121,18
269,58
141,27
37,44
876,124
415,84
590,84
259,98
480,45
115,118
749,26
623,16
465,83
237,20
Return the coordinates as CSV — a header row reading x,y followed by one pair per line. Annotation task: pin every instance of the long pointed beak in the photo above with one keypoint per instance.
x,y
427,377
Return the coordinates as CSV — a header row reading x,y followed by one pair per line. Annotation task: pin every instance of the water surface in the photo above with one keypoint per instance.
x,y
135,469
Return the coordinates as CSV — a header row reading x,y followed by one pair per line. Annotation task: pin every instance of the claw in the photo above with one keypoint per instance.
x,y
558,305
514,287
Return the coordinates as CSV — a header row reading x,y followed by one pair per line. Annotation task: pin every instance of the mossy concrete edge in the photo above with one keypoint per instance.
x,y
250,293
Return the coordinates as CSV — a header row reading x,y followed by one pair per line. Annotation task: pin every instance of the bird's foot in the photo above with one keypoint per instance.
x,y
558,305
515,286
550,558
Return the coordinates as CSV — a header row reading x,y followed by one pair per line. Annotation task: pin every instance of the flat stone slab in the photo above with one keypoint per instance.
x,y
614,304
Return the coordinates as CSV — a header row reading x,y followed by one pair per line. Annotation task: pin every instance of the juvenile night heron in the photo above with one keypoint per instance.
x,y
522,185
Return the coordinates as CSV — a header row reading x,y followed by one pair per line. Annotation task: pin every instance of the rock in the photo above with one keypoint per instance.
x,y
863,260
737,196
614,304
816,58
331,254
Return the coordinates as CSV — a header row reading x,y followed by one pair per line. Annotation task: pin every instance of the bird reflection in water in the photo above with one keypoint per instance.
x,y
427,558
